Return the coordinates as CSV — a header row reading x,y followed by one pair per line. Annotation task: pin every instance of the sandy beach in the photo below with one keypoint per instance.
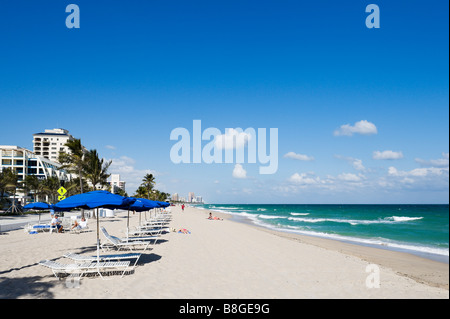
x,y
219,259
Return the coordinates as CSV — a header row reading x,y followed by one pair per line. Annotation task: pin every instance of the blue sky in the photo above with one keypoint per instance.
x,y
136,70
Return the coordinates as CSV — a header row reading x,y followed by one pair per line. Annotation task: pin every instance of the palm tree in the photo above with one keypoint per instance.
x,y
34,184
121,192
73,186
74,160
4,180
96,169
148,183
50,187
161,196
141,192
11,183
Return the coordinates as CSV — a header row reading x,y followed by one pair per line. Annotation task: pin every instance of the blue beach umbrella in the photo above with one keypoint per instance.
x,y
143,204
140,205
163,204
38,206
95,199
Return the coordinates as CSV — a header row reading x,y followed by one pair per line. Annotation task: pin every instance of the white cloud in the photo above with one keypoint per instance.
x,y
232,139
299,157
349,177
239,171
358,165
422,179
441,162
110,147
418,172
362,127
124,166
387,155
355,162
304,179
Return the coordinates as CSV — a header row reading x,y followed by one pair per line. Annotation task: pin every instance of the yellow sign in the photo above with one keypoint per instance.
x,y
61,192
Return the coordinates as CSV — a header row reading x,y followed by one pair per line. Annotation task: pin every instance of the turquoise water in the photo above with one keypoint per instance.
x,y
422,229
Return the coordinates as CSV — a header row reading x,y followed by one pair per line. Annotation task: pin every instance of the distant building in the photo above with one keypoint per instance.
x,y
24,162
198,199
49,143
191,197
116,183
175,197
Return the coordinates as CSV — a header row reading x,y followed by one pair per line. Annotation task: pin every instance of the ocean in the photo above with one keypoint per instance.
x,y
419,229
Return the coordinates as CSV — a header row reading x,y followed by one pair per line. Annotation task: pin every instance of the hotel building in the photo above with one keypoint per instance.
x,y
49,143
24,162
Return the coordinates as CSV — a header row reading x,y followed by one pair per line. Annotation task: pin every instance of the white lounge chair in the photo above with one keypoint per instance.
x,y
37,228
78,258
120,243
81,227
149,230
59,269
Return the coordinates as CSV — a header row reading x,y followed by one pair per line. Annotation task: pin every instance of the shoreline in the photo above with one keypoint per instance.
x,y
430,271
401,247
215,260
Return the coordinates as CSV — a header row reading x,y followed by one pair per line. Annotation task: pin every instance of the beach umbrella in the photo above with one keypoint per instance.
x,y
38,206
163,204
95,199
140,205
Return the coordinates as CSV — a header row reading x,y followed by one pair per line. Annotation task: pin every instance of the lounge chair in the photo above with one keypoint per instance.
x,y
120,243
78,258
37,228
59,269
149,230
82,227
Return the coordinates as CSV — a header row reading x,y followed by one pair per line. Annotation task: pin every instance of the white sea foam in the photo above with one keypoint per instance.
x,y
270,216
402,219
262,220
382,242
387,220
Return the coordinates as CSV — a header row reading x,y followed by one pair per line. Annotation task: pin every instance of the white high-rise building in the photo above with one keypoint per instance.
x,y
191,197
116,183
49,143
175,197
198,199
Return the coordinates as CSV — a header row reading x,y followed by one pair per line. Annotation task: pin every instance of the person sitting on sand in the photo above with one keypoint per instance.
x,y
81,225
213,217
56,222
184,231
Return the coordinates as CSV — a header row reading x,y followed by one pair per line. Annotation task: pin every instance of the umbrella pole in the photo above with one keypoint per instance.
x,y
128,223
98,241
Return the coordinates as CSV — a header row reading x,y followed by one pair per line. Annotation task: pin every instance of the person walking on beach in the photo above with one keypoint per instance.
x,y
182,207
